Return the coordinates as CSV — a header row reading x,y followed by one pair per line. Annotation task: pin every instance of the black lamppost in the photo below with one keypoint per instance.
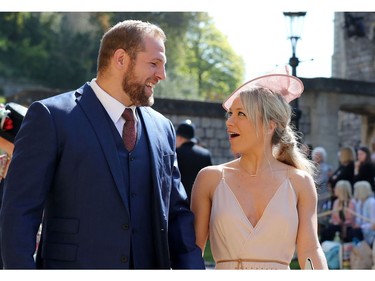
x,y
294,22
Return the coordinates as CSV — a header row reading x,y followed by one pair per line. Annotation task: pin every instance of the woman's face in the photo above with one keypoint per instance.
x,y
318,157
337,192
361,155
243,134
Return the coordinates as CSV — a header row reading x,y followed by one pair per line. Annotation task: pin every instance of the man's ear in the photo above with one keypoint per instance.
x,y
121,59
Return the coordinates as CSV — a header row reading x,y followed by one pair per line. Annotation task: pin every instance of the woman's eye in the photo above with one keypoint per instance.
x,y
240,113
228,115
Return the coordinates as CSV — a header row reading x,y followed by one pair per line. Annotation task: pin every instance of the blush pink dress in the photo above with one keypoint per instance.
x,y
270,244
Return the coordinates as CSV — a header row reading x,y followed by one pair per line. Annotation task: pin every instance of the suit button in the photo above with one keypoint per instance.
x,y
124,259
125,226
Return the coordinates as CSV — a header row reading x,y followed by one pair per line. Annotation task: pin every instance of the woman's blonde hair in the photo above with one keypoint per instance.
x,y
347,155
343,190
266,105
362,190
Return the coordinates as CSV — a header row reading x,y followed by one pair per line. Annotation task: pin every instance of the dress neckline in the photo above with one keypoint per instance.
x,y
265,209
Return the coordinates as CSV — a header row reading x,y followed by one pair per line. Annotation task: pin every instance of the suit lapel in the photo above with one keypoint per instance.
x,y
96,115
152,129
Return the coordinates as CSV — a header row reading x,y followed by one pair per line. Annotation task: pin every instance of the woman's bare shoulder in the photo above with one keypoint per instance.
x,y
215,169
211,171
299,175
211,175
301,180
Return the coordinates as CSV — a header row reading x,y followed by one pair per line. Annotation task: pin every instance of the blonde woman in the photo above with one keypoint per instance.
x,y
365,211
259,208
345,170
342,218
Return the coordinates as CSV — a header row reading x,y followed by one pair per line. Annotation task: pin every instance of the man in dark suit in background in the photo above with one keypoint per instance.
x,y
102,203
191,156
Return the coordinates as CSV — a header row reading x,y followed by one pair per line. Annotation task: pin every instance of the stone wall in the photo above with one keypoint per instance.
x,y
209,120
324,102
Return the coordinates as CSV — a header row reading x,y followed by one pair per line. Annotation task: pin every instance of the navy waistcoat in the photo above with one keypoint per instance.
x,y
138,187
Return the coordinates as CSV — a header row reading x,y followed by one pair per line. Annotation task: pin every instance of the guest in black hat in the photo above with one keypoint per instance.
x,y
191,156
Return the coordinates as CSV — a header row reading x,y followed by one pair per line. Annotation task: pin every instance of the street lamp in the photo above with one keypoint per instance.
x,y
295,23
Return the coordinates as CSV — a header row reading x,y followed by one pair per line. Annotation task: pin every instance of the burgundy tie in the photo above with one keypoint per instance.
x,y
129,134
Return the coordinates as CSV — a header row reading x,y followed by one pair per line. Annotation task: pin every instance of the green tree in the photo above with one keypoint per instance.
x,y
40,47
22,48
201,63
72,54
217,69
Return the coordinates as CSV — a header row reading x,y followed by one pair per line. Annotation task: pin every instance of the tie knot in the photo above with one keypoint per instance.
x,y
128,114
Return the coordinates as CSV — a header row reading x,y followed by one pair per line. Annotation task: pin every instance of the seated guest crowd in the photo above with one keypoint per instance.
x,y
352,212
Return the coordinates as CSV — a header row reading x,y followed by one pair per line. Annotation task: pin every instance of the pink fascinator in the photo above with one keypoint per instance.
x,y
279,81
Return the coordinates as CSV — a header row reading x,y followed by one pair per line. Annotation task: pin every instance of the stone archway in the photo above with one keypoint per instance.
x,y
324,103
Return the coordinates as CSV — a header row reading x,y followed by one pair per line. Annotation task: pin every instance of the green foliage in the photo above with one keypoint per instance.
x,y
72,59
42,48
207,255
294,264
59,50
211,60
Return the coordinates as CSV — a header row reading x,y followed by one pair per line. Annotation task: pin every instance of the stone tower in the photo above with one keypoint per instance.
x,y
354,59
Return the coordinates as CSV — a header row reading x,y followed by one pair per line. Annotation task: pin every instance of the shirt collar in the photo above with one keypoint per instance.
x,y
111,105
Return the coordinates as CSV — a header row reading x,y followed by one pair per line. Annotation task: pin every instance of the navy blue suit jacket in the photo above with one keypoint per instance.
x,y
66,172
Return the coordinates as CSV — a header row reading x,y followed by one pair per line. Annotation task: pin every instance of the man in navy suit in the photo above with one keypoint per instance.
x,y
100,205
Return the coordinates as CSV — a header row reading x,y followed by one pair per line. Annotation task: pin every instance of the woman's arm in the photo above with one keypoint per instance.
x,y
201,201
308,245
